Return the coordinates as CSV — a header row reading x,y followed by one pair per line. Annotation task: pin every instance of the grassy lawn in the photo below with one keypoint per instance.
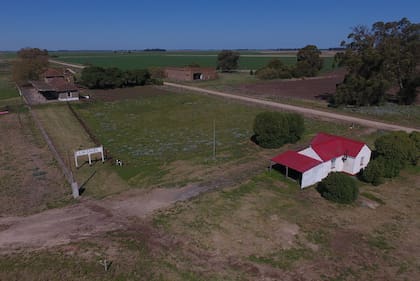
x,y
268,221
168,139
151,133
130,256
30,180
262,227
249,60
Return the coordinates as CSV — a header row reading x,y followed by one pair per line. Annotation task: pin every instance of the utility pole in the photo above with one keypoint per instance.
x,y
214,139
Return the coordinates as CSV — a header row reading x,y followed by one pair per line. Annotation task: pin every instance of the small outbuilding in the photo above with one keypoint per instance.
x,y
326,153
190,73
56,85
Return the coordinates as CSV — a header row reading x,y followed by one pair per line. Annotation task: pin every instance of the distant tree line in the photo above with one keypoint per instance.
x,y
95,77
309,63
378,59
154,50
29,65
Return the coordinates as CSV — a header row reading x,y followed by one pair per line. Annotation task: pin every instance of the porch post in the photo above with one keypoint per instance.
x,y
287,172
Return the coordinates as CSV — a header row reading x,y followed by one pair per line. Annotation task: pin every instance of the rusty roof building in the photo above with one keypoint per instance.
x,y
190,73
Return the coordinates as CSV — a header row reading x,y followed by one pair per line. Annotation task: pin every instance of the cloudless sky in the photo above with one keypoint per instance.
x,y
199,24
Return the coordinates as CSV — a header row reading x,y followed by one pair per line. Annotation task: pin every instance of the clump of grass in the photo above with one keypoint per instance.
x,y
372,197
380,242
319,237
283,259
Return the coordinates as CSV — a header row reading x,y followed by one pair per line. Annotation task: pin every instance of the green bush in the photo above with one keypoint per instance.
x,y
373,173
267,73
390,168
95,77
397,147
274,129
415,137
275,69
339,188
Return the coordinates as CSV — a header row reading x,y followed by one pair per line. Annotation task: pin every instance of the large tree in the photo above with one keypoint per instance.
x,y
227,60
30,63
309,61
384,56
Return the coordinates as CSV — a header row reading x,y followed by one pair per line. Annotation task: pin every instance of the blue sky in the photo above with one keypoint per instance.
x,y
199,24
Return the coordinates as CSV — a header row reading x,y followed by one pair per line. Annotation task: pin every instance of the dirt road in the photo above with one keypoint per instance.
x,y
85,218
302,110
67,64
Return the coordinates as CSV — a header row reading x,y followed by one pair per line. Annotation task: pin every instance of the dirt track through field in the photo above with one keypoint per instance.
x,y
67,64
303,110
84,219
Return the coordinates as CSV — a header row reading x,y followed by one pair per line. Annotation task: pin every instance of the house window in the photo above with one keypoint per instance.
x,y
362,160
333,163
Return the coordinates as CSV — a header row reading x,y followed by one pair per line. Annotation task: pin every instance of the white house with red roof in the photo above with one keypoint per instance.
x,y
326,153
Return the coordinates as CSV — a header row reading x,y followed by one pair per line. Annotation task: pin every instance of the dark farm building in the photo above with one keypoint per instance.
x,y
190,73
57,84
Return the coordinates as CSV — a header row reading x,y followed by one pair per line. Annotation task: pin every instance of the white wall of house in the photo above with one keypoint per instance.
x,y
350,165
316,174
362,160
310,153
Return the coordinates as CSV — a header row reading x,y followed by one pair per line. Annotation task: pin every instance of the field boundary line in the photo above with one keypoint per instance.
x,y
91,135
303,110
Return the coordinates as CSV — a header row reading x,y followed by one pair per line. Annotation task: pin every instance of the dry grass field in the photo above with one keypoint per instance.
x,y
30,180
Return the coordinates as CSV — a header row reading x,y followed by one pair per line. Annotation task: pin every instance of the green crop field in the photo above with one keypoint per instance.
x,y
247,60
7,88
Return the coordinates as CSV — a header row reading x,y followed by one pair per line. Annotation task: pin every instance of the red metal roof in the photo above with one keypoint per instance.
x,y
330,146
296,161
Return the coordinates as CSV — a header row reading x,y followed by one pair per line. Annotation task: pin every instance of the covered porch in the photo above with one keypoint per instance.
x,y
293,165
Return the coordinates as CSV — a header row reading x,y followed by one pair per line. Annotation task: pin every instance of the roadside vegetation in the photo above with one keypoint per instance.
x,y
309,63
379,59
95,77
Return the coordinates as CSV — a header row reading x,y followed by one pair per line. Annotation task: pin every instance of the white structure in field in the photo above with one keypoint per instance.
x,y
89,152
326,153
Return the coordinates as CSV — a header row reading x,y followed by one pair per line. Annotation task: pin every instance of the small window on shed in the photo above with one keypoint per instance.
x,y
362,160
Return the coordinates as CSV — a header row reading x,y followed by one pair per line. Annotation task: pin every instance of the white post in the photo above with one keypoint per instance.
x,y
75,189
90,159
102,153
75,160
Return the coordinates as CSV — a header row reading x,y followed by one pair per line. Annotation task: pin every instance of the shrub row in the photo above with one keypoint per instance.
x,y
95,77
393,152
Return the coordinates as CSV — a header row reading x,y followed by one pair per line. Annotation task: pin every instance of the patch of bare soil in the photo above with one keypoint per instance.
x,y
125,93
30,180
319,88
